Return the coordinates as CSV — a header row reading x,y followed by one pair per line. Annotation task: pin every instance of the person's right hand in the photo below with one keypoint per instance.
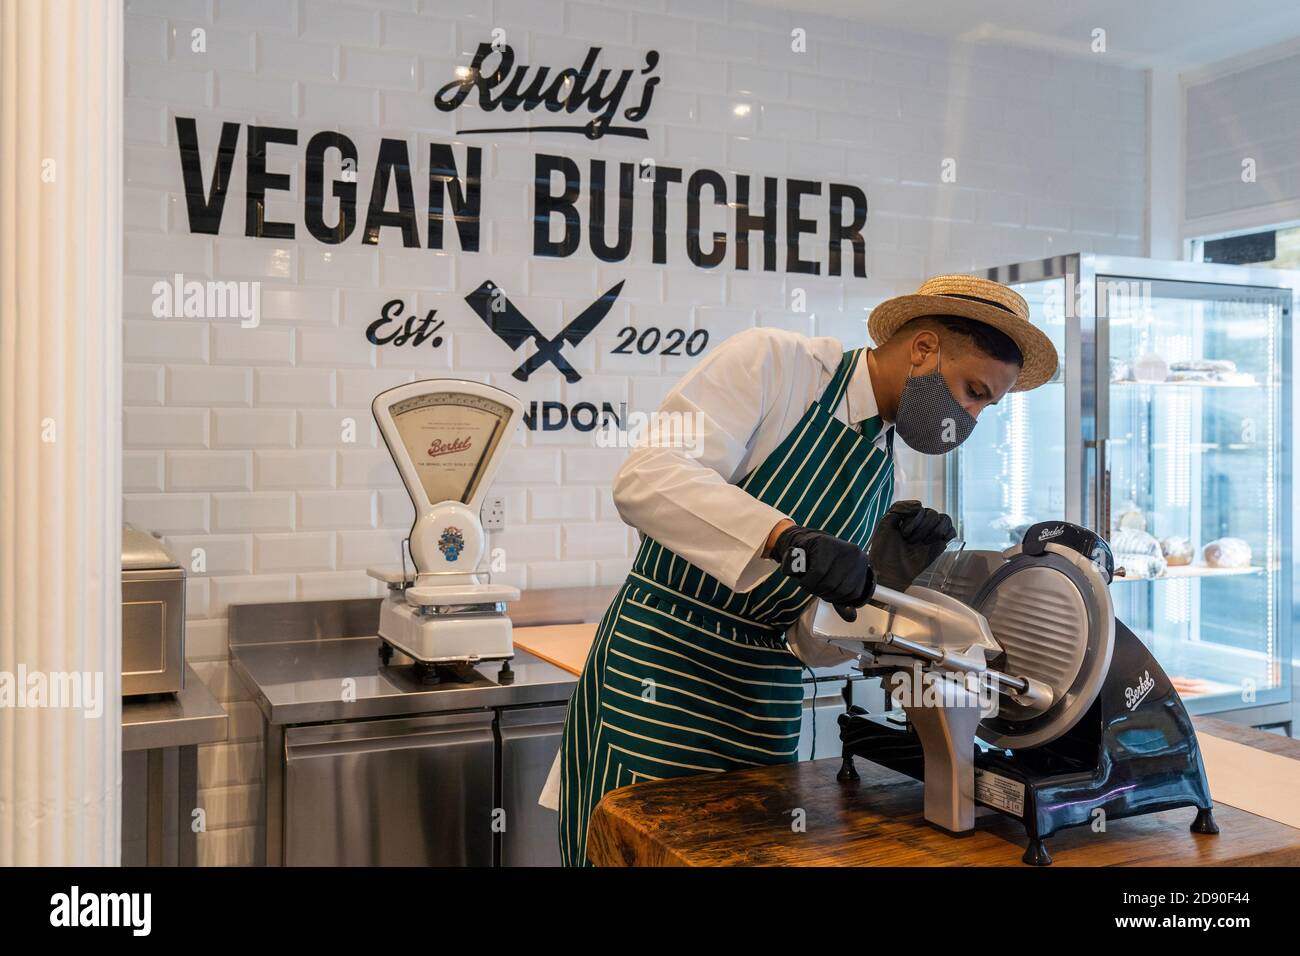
x,y
835,570
906,541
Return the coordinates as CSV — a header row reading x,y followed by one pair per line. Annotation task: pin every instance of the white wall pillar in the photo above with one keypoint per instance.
x,y
1166,159
60,428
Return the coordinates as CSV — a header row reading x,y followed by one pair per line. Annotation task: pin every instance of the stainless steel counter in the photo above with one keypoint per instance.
x,y
300,682
367,765
160,775
190,717
314,661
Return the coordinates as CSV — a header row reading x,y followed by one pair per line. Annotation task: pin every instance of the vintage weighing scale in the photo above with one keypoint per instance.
x,y
1018,690
447,437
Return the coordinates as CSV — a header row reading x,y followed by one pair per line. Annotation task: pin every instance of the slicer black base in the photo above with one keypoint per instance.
x,y
1204,822
847,771
1093,767
1036,854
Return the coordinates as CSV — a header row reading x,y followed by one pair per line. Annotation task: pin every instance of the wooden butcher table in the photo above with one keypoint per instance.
x,y
748,818
800,815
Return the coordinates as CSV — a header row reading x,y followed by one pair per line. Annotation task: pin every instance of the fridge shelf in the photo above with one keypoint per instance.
x,y
1185,571
1203,446
1130,382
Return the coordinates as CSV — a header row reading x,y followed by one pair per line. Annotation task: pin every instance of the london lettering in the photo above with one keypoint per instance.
x,y
583,417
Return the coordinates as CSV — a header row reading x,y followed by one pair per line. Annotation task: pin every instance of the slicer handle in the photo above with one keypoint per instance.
x,y
888,598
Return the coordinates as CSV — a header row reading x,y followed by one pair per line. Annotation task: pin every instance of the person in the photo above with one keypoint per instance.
x,y
784,496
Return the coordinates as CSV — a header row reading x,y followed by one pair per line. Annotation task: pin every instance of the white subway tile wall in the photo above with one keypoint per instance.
x,y
1242,140
252,450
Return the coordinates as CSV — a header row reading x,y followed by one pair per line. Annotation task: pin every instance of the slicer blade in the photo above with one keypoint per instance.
x,y
1053,618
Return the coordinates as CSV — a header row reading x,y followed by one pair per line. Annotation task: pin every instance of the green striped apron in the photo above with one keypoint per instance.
x,y
687,676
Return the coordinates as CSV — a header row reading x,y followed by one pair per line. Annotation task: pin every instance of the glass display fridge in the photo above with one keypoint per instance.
x,y
1168,429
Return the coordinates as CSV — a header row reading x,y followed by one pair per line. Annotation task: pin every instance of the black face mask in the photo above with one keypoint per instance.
x,y
930,419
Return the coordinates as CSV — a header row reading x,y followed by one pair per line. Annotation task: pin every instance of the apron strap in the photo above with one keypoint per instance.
x,y
830,398
834,394
871,429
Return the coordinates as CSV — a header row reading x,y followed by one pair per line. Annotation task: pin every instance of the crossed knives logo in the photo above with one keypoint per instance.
x,y
490,304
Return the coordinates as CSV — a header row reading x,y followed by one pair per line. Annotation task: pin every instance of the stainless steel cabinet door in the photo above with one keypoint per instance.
x,y
530,739
396,792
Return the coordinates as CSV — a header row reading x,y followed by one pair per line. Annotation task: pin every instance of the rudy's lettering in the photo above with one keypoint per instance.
x,y
570,90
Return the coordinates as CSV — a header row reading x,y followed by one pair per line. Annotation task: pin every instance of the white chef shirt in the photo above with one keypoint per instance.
x,y
745,398
749,393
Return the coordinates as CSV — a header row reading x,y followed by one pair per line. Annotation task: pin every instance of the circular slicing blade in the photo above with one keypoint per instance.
x,y
1055,623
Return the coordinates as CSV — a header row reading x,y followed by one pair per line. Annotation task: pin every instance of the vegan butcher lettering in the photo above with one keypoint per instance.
x,y
772,209
569,90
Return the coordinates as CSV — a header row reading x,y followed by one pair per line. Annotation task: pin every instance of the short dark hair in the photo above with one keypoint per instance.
x,y
992,341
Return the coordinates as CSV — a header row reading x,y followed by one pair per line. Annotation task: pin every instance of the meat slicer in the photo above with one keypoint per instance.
x,y
447,438
1017,690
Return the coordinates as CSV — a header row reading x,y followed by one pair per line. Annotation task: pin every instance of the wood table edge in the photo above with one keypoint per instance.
x,y
608,821
609,824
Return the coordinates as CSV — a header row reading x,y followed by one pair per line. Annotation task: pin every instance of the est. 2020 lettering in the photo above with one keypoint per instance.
x,y
391,328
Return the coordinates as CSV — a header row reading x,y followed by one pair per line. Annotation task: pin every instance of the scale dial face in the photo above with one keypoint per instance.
x,y
449,438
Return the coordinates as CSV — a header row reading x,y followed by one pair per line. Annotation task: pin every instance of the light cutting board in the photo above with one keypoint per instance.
x,y
1262,783
564,645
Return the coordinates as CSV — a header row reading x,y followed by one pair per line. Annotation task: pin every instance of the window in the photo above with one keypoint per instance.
x,y
1273,248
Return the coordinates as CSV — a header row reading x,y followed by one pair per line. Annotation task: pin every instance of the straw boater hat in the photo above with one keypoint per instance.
x,y
982,300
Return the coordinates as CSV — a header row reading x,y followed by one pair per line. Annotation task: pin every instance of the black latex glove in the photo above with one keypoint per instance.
x,y
835,570
906,540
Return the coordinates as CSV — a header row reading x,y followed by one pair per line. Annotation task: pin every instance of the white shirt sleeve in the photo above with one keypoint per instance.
x,y
680,492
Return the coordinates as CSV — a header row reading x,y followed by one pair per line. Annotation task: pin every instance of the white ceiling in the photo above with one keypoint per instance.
x,y
1183,34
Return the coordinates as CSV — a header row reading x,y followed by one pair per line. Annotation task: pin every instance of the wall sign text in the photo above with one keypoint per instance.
x,y
569,90
766,213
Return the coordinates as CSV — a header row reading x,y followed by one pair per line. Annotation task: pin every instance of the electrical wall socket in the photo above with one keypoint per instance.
x,y
494,513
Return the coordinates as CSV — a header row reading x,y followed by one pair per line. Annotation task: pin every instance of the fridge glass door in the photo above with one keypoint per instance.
x,y
1191,497
1011,472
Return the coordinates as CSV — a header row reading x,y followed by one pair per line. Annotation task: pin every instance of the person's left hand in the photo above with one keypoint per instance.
x,y
907,539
